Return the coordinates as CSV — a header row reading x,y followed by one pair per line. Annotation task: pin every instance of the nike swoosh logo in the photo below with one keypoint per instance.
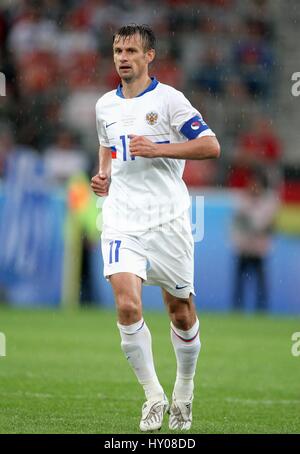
x,y
107,126
178,287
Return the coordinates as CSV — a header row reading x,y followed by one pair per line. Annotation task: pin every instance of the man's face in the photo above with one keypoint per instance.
x,y
131,60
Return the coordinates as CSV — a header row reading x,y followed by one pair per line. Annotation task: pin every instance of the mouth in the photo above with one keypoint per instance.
x,y
124,67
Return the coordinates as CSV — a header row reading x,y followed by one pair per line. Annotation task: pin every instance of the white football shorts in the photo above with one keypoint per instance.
x,y
163,256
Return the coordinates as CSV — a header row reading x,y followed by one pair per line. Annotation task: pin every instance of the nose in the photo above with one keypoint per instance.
x,y
123,55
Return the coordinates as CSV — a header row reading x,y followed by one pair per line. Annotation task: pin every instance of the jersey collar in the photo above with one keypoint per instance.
x,y
150,87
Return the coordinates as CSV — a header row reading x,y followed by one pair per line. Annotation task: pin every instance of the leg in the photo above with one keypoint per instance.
x,y
181,311
136,345
262,298
241,268
186,343
127,288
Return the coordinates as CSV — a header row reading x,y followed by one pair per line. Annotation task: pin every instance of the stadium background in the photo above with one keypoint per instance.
x,y
234,60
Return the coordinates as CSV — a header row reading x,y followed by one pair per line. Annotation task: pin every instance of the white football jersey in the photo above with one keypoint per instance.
x,y
146,192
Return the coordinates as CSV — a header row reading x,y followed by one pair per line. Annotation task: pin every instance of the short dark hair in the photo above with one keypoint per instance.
x,y
145,32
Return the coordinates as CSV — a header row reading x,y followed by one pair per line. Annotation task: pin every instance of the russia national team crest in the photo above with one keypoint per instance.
x,y
151,118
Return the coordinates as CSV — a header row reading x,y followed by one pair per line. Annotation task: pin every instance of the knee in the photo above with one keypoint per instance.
x,y
127,293
129,308
182,314
181,321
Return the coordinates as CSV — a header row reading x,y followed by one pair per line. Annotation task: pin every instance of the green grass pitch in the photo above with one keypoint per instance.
x,y
64,372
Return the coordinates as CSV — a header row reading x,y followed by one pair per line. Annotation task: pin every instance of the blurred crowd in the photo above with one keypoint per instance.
x,y
57,59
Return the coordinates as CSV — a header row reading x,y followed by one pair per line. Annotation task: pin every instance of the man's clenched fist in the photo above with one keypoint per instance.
x,y
100,184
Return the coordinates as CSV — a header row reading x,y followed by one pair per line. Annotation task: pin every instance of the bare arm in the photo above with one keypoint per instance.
x,y
104,160
206,147
100,182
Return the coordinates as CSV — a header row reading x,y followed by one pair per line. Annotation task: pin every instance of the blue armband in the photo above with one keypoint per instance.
x,y
193,127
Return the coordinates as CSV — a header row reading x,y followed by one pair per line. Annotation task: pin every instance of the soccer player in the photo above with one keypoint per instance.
x,y
146,131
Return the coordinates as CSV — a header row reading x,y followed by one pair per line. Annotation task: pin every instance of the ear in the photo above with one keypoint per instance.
x,y
150,54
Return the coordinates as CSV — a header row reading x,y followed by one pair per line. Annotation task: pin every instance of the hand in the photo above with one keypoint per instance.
x,y
140,146
100,184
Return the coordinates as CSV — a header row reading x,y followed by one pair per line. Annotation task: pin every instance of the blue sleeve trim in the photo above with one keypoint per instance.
x,y
193,127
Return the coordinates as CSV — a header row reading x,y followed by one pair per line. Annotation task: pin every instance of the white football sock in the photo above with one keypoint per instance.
x,y
187,347
137,345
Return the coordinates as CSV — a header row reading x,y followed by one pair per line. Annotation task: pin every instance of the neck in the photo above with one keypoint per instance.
x,y
133,88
